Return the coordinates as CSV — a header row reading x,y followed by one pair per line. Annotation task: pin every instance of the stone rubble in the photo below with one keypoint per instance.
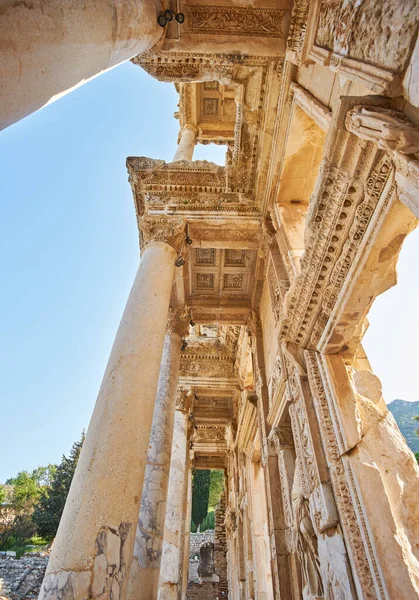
x,y
21,579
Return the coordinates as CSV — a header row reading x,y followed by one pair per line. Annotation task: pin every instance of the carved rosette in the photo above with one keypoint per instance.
x,y
184,399
177,321
161,229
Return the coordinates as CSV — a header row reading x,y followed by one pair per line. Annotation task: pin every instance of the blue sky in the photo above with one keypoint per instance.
x,y
69,252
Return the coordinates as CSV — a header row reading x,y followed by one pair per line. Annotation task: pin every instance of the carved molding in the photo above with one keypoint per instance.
x,y
353,520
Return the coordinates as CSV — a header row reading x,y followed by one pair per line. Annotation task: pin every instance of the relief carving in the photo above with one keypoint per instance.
x,y
234,21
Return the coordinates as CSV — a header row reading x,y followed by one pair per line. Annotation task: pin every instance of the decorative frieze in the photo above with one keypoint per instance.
x,y
235,21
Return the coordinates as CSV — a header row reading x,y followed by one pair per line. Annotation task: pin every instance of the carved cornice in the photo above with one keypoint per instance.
x,y
161,229
353,189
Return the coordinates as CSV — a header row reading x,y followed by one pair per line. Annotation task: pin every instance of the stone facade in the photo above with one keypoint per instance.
x,y
276,259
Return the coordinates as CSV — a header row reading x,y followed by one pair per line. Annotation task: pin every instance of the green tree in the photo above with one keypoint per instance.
x,y
17,507
44,475
216,489
48,511
200,495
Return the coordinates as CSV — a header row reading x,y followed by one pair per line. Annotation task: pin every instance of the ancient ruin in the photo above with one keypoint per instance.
x,y
241,343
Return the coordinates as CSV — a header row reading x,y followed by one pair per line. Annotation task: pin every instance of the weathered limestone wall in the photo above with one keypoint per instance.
x,y
198,539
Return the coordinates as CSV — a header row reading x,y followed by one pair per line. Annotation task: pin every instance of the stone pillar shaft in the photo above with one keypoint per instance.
x,y
145,566
186,144
94,544
171,566
51,47
187,536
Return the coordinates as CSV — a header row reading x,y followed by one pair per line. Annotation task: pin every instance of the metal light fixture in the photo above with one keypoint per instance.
x,y
187,238
191,323
168,15
180,262
184,345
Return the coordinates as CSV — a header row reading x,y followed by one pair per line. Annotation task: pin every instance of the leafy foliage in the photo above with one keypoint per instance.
x,y
16,508
216,489
48,511
208,522
200,495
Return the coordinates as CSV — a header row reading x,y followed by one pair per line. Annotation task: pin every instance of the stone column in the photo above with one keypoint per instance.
x,y
171,564
145,566
186,143
94,544
187,536
50,47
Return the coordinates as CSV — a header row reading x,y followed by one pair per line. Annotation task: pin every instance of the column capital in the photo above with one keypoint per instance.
x,y
184,399
178,321
280,438
189,127
161,229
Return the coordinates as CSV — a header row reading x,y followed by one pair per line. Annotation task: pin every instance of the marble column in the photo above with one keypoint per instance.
x,y
145,566
95,539
186,144
187,535
171,565
50,47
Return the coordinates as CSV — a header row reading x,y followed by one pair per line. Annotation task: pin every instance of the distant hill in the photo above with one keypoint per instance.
x,y
404,412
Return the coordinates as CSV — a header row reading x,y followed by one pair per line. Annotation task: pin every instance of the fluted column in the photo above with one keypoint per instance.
x,y
50,47
145,566
171,565
186,143
94,543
